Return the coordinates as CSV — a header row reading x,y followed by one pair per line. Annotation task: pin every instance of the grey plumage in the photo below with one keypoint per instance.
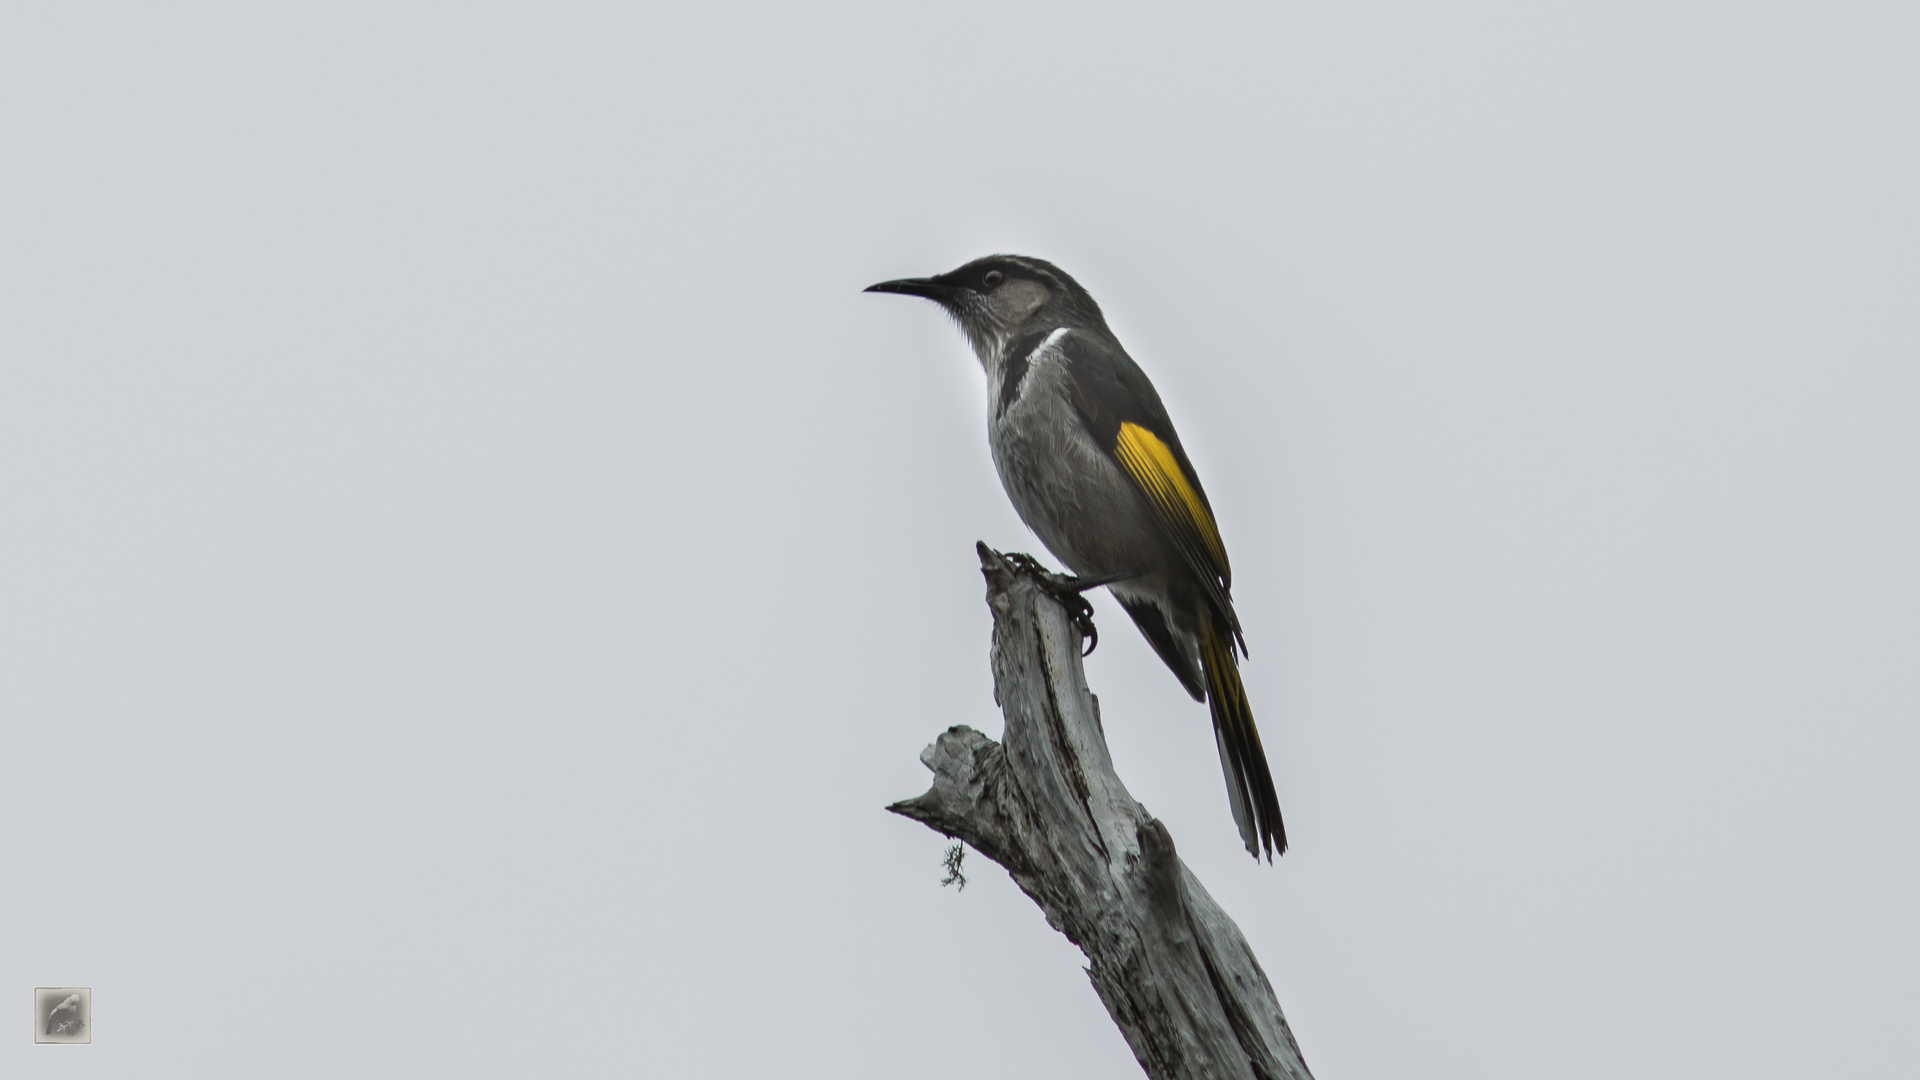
x,y
65,1016
1091,462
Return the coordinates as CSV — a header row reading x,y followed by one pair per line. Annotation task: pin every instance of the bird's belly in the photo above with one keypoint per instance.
x,y
1083,508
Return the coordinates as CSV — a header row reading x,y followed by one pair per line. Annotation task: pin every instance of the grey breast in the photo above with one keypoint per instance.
x,y
1067,490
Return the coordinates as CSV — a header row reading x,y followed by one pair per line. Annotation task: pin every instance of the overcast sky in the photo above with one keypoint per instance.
x,y
474,566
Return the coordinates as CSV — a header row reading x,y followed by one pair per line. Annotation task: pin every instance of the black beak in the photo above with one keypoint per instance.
x,y
914,286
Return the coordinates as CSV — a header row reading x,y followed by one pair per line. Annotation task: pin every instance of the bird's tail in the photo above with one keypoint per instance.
x,y
1256,809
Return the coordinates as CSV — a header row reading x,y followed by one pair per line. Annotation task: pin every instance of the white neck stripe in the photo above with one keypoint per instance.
x,y
1047,344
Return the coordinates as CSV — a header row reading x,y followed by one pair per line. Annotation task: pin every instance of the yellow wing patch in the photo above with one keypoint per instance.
x,y
1153,466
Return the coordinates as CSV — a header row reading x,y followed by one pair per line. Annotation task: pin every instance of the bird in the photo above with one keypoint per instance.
x,y
1091,462
65,1016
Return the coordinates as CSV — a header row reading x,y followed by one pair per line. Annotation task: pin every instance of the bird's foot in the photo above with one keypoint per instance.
x,y
1070,591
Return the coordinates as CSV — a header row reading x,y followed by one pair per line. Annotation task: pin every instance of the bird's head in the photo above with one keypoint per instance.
x,y
1002,297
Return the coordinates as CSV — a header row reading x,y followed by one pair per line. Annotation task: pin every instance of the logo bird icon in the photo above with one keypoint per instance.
x,y
65,1017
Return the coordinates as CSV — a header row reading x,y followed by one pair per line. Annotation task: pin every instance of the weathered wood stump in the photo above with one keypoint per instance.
x,y
1173,970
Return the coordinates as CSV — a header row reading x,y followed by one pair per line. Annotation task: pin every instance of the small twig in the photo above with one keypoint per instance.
x,y
956,855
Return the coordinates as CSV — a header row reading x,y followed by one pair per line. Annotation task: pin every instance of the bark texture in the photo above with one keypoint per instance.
x,y
1172,969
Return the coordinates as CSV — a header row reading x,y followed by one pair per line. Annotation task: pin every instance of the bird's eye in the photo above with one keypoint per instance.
x,y
994,277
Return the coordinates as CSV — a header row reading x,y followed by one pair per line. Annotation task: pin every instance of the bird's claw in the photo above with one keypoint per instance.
x,y
1071,592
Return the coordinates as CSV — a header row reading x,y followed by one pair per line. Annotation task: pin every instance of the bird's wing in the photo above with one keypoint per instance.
x,y
1123,414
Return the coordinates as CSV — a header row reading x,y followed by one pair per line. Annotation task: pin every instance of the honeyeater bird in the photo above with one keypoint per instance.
x,y
65,1016
1093,466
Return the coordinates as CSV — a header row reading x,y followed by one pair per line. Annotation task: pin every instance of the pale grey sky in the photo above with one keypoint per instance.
x,y
474,565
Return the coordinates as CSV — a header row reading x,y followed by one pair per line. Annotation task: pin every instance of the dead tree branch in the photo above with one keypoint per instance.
x,y
1172,969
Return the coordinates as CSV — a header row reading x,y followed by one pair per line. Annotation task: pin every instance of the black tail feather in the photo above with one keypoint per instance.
x,y
1256,809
